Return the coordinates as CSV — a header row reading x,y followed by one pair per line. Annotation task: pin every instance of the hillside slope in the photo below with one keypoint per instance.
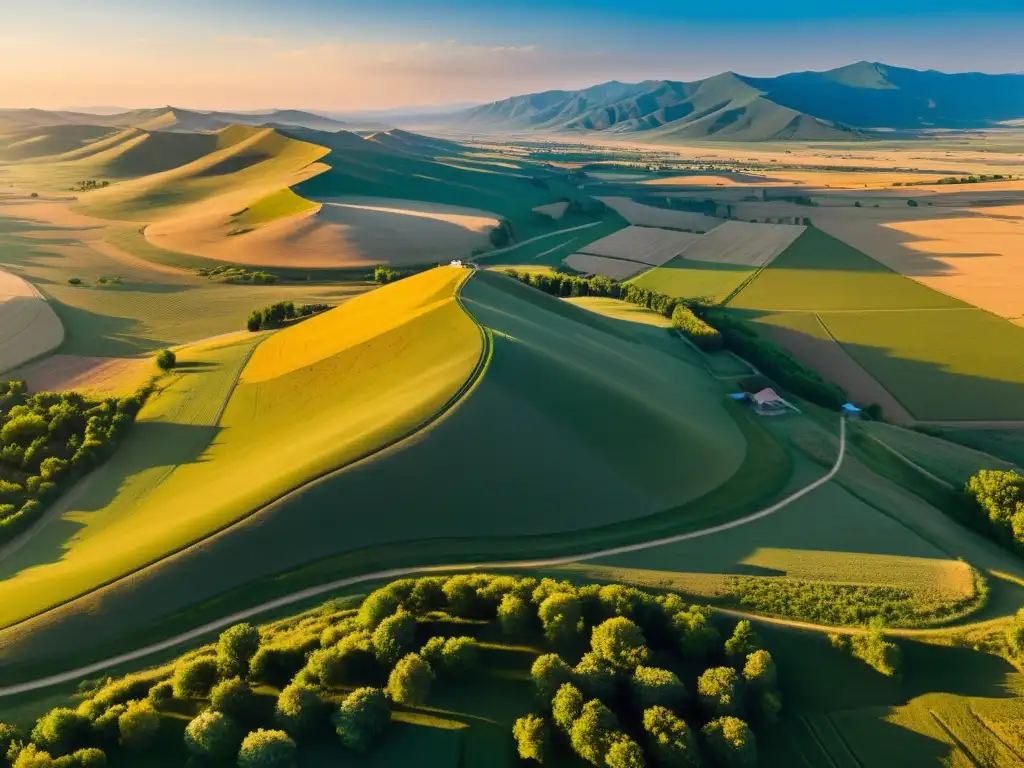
x,y
631,430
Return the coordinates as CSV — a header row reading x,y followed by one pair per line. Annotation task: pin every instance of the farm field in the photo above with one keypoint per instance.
x,y
743,243
642,215
97,376
694,279
616,269
549,249
1006,444
28,326
646,245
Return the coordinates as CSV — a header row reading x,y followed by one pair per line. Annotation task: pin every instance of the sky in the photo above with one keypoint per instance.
x,y
344,56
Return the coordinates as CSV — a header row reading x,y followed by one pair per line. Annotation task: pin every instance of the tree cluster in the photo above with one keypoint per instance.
x,y
502,235
276,315
695,329
999,496
383,274
229,274
48,441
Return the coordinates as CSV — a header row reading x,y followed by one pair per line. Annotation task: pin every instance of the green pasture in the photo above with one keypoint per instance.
x,y
1006,444
552,247
694,279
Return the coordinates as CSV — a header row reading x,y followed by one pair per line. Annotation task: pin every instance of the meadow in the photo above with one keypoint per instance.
x,y
695,279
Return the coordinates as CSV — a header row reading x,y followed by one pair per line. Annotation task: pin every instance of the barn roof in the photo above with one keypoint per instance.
x,y
767,395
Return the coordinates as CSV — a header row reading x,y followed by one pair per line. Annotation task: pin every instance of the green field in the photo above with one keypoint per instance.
x,y
552,247
1006,444
694,279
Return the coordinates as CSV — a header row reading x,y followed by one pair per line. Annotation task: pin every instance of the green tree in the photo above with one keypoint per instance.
x,y
515,615
595,676
377,606
731,743
61,731
719,691
32,757
549,672
409,682
138,725
592,731
166,359
567,706
394,637
460,656
234,698
670,739
624,753
267,749
90,757
300,709
1015,635
212,735
695,633
9,734
235,648
561,616
362,718
744,641
193,679
161,694
652,687
878,653
620,642
759,671
532,737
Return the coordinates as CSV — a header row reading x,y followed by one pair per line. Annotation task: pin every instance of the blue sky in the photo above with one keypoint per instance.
x,y
337,54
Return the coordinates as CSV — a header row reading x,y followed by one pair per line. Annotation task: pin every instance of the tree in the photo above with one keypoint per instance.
x,y
624,753
211,735
719,690
194,679
460,593
567,706
549,673
744,641
731,743
32,757
595,676
561,615
394,636
670,739
235,648
591,732
532,737
696,635
161,694
138,725
300,709
912,203
652,687
515,615
267,749
61,731
619,642
1015,635
83,758
460,656
9,734
234,698
362,718
759,671
377,606
166,359
878,653
409,682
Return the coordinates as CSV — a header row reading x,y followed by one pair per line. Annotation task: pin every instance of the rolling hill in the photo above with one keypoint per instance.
x,y
840,103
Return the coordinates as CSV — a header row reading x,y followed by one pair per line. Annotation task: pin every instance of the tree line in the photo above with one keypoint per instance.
x,y
275,315
48,441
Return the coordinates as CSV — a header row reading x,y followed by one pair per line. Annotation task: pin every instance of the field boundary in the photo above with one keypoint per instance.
x,y
310,592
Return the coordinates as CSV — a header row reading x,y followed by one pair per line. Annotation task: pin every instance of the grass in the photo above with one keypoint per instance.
x,y
369,372
694,279
277,205
553,247
1006,444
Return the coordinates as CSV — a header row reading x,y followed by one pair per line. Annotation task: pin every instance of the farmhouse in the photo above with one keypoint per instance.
x,y
768,403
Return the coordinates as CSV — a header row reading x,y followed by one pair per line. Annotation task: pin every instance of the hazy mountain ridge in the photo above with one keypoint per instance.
x,y
168,119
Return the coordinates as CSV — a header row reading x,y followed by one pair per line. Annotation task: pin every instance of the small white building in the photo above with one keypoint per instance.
x,y
768,403
456,263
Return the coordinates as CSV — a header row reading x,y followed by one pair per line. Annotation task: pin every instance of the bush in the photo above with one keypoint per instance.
x,y
595,676
719,691
234,698
138,725
61,731
194,679
619,642
377,606
166,359
362,718
591,732
515,615
549,673
235,648
744,641
877,652
999,496
695,634
74,281
653,687
212,735
670,740
731,743
300,709
567,706
759,671
9,734
459,656
82,758
267,749
561,616
532,737
394,637
409,682
161,694
33,757
624,753
695,329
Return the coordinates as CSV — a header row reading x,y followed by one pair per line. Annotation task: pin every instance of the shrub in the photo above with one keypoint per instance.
x,y
33,757
74,281
460,656
515,615
161,694
1014,635
394,636
624,753
362,718
877,652
194,679
591,732
719,691
695,633
377,606
595,676
82,758
267,749
212,735
166,359
235,648
561,615
234,698
409,682
300,709
695,329
532,737
427,594
731,743
759,671
61,731
653,687
1000,497
549,673
619,642
276,664
567,706
105,726
138,725
670,740
9,734
744,641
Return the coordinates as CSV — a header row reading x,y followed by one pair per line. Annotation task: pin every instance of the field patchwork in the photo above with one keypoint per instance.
x,y
649,216
616,269
743,244
647,245
688,279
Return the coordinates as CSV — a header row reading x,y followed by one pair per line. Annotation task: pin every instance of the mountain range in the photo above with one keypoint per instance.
x,y
849,102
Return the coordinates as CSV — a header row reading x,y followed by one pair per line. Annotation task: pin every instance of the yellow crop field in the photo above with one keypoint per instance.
x,y
313,397
28,326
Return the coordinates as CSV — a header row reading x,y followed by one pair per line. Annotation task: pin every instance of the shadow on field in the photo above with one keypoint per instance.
x,y
96,335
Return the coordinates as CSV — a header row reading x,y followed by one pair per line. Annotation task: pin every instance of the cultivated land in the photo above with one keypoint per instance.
x,y
649,216
646,245
743,244
28,326
616,269
97,376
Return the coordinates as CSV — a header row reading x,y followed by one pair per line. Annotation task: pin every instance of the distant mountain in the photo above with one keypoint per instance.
x,y
840,103
168,119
